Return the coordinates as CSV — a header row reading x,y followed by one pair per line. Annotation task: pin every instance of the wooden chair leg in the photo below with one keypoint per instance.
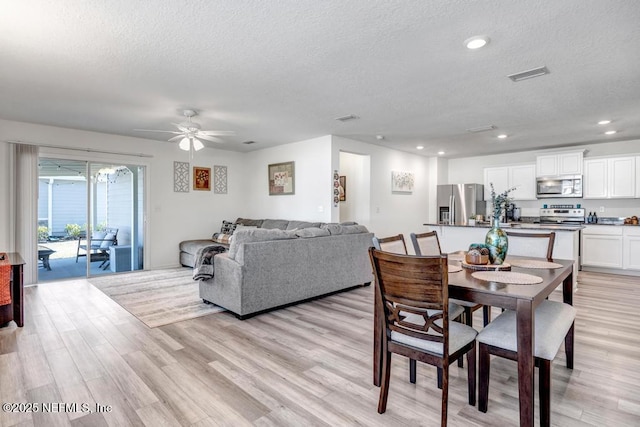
x,y
486,314
445,394
471,375
545,392
483,377
412,371
384,387
568,346
439,378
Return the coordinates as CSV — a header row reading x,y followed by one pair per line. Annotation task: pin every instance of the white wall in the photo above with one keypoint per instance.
x,y
171,217
313,181
390,213
470,169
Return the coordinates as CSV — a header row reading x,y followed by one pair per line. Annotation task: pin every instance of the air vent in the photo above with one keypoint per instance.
x,y
249,142
481,129
529,74
347,118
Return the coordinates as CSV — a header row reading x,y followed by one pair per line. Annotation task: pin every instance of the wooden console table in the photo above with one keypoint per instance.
x,y
15,310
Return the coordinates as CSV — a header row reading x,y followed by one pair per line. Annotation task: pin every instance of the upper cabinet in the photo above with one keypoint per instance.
x,y
522,177
569,163
610,178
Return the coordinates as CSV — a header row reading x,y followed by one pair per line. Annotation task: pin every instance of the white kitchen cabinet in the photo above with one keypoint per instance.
x,y
602,246
610,178
522,177
569,163
500,179
638,177
631,248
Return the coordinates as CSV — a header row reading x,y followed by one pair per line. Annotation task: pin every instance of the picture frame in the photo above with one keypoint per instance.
x,y
342,189
282,179
402,182
201,178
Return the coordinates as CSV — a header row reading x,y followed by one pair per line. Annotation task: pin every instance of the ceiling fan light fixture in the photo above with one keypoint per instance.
x,y
197,144
184,144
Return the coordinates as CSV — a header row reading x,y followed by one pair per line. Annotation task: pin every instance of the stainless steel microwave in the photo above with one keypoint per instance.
x,y
559,186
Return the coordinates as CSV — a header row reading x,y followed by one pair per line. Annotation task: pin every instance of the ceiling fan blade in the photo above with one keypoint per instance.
x,y
216,132
176,138
156,130
179,126
210,138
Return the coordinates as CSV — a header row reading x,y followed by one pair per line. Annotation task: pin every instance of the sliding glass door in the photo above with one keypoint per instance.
x,y
90,218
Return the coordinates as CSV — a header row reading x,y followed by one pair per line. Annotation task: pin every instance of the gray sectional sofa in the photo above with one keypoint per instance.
x,y
273,267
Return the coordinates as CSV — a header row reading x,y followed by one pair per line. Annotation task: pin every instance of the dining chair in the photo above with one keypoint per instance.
x,y
396,244
429,244
515,237
554,322
415,311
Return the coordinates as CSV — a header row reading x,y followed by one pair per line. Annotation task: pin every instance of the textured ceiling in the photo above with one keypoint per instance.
x,y
281,71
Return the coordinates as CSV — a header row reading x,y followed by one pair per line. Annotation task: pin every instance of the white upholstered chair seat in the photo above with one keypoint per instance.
x,y
459,336
552,322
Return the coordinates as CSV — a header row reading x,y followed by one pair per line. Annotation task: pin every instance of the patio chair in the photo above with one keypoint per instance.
x,y
101,241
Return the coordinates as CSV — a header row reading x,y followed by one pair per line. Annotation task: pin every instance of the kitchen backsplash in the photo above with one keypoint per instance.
x,y
612,207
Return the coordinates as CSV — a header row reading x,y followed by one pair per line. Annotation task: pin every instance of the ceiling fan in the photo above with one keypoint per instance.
x,y
189,133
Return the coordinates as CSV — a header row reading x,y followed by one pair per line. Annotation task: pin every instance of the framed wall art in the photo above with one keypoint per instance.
x,y
402,182
282,178
342,189
201,178
220,179
181,177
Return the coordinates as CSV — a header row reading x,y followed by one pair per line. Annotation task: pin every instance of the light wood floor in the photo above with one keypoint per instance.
x,y
291,366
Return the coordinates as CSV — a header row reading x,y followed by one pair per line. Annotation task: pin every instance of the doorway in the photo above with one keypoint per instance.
x,y
356,170
90,218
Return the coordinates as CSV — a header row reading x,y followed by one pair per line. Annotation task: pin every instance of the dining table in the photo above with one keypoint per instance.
x,y
522,298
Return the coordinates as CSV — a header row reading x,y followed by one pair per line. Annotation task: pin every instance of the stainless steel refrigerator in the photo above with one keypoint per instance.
x,y
457,202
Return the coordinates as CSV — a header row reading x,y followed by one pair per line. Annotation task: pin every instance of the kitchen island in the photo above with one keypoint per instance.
x,y
456,237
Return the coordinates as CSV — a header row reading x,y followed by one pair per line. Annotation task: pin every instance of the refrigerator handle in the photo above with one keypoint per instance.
x,y
452,209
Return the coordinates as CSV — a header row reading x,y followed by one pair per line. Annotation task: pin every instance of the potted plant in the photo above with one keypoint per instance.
x,y
472,220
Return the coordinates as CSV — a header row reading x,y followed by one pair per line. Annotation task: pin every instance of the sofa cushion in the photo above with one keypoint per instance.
x,y
337,229
249,222
312,232
280,224
192,246
257,235
293,225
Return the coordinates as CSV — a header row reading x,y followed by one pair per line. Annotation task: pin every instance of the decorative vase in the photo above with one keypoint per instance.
x,y
497,242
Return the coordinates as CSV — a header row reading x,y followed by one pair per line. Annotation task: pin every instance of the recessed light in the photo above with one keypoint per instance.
x,y
610,132
476,42
502,136
604,122
419,147
379,137
440,153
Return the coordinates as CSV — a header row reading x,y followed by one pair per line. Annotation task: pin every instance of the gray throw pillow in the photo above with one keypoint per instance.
x,y
293,225
280,224
246,221
354,229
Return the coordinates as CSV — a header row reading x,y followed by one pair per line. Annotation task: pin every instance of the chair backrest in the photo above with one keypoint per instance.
x,y
408,287
527,249
426,244
393,244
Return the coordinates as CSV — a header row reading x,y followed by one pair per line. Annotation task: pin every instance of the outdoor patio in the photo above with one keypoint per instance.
x,y
63,262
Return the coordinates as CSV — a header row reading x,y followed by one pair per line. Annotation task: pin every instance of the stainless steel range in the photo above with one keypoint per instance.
x,y
565,215
562,214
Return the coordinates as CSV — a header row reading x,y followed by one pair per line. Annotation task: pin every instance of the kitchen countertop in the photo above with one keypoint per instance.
x,y
517,226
